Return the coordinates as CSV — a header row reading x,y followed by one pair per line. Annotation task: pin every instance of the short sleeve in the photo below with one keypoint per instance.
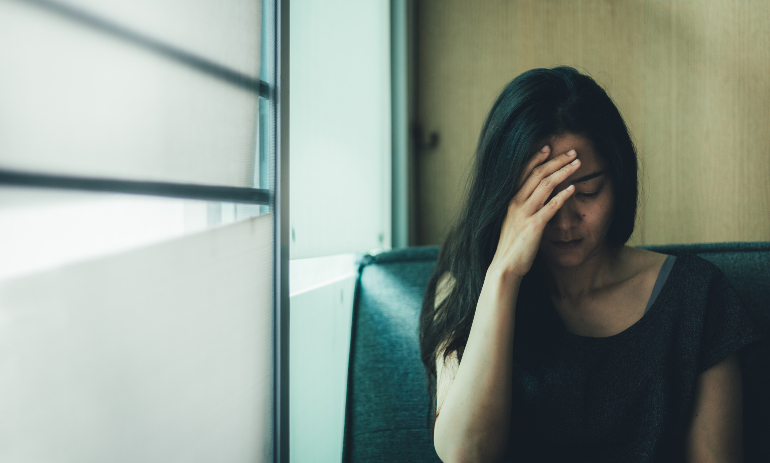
x,y
727,326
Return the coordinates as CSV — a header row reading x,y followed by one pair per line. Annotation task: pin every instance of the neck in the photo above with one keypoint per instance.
x,y
574,283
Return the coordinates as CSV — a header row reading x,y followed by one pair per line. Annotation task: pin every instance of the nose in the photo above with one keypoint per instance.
x,y
566,217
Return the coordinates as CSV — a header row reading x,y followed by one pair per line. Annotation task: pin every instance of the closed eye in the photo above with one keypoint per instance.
x,y
587,195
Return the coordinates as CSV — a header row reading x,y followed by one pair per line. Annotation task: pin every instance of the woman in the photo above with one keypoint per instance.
x,y
544,337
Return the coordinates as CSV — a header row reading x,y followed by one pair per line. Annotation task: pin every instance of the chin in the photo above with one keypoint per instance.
x,y
569,254
565,261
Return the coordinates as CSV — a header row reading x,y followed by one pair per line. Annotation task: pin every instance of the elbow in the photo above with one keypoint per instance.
x,y
462,457
453,455
456,459
459,453
470,444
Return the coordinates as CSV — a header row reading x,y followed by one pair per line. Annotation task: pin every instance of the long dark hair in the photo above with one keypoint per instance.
x,y
535,105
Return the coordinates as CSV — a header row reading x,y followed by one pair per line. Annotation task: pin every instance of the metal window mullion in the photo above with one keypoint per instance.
x,y
163,189
280,188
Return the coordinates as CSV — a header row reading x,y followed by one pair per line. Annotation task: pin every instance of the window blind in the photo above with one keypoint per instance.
x,y
157,343
105,101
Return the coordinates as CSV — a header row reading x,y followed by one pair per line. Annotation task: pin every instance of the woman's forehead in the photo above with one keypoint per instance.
x,y
562,143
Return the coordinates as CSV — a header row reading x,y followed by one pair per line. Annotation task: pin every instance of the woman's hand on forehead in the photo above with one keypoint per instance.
x,y
532,207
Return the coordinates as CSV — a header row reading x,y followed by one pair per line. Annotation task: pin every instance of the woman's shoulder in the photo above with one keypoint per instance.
x,y
692,266
686,275
698,282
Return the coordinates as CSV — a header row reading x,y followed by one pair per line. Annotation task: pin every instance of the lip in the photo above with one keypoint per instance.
x,y
572,244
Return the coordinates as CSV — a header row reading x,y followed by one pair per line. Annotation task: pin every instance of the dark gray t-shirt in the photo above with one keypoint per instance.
x,y
627,397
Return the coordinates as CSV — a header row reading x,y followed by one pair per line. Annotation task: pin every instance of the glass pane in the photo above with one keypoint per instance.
x,y
43,229
79,102
340,135
158,354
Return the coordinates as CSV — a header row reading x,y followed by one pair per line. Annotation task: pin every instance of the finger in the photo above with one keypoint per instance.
x,y
541,172
537,159
547,212
545,188
542,190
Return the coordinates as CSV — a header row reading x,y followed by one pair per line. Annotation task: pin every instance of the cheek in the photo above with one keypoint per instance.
x,y
597,216
604,216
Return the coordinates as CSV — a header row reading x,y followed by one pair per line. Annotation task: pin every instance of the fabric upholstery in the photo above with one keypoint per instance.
x,y
387,407
387,410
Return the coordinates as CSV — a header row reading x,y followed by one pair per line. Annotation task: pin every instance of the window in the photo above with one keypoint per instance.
x,y
141,272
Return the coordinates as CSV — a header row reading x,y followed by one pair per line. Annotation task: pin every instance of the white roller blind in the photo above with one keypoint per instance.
x,y
158,355
41,229
226,32
79,101
340,126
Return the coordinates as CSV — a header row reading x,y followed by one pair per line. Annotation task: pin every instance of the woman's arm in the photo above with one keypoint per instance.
x,y
716,432
474,396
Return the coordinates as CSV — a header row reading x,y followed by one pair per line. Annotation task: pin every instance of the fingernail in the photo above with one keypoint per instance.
x,y
575,162
570,188
544,149
571,153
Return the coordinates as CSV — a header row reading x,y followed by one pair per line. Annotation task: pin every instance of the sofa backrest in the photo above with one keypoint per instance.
x,y
387,406
387,411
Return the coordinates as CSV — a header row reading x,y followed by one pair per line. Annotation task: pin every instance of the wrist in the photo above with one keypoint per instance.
x,y
502,274
502,278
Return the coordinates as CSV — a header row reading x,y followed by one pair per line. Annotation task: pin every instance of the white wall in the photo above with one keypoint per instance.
x,y
320,345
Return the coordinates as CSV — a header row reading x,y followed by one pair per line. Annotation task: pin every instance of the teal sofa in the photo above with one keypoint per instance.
x,y
387,412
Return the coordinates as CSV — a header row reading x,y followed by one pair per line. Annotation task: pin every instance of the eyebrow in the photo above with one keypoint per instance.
x,y
587,177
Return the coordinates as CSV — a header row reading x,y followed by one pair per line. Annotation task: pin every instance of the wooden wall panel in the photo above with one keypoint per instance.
x,y
690,77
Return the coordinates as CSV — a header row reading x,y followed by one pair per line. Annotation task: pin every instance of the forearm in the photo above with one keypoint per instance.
x,y
474,419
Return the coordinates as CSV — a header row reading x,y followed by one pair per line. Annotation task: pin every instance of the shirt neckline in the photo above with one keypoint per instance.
x,y
651,313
